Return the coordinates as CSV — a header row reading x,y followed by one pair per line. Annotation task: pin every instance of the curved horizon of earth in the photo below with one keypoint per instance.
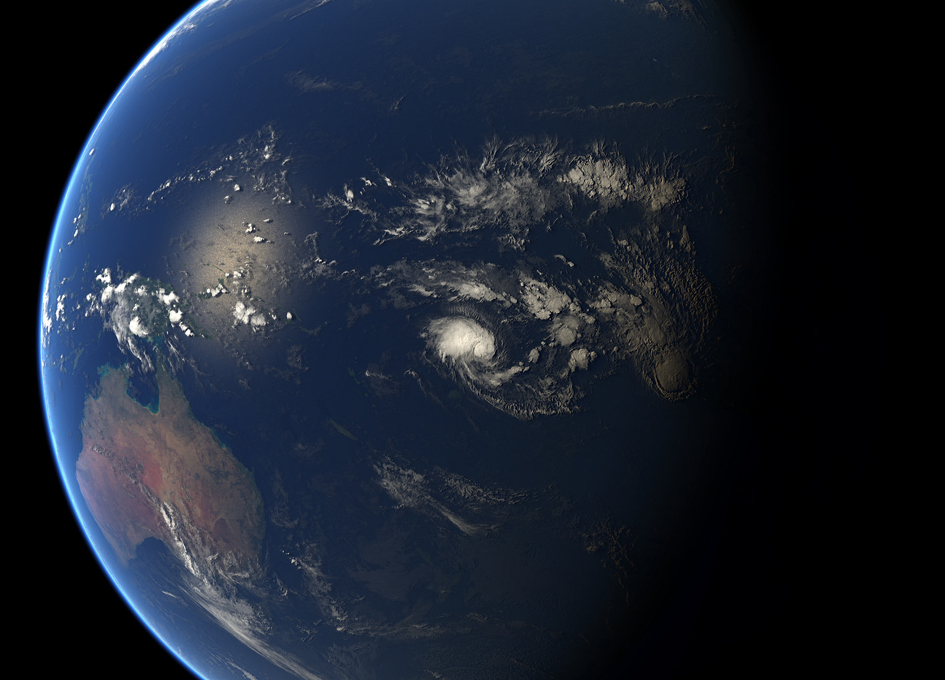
x,y
413,341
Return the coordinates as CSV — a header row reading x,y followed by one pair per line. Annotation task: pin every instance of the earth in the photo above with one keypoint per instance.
x,y
424,340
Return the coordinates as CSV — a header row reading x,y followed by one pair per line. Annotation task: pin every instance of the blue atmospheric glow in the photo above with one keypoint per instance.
x,y
58,236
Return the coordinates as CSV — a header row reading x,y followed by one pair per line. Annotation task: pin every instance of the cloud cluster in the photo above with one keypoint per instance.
x,y
134,310
507,190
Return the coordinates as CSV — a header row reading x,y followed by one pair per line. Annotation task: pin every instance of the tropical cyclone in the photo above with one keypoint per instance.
x,y
462,339
165,475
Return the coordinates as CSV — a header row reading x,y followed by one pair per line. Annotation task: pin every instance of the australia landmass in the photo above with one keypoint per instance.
x,y
164,475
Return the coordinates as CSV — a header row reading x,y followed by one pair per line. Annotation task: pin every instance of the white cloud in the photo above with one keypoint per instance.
x,y
441,494
135,309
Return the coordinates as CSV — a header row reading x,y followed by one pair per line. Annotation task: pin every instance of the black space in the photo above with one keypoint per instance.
x,y
784,587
